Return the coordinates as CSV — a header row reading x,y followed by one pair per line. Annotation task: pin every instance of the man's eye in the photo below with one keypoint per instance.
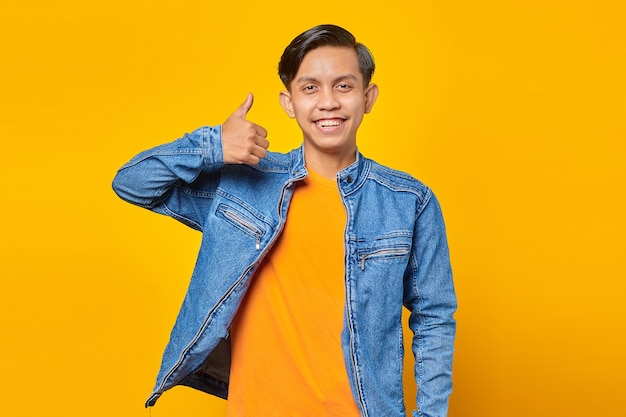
x,y
344,86
308,88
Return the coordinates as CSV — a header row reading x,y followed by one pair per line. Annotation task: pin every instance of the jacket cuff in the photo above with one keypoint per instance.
x,y
212,153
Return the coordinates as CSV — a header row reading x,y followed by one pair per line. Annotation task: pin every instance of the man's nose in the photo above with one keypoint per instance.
x,y
328,99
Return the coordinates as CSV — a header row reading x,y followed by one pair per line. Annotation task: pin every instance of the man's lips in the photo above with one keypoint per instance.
x,y
329,123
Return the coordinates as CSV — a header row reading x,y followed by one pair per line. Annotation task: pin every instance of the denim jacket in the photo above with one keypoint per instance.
x,y
396,254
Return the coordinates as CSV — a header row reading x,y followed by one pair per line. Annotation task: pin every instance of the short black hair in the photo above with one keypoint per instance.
x,y
318,36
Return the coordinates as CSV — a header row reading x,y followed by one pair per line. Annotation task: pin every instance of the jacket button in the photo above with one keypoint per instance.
x,y
349,179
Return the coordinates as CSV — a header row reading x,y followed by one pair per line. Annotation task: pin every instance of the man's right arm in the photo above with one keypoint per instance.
x,y
160,178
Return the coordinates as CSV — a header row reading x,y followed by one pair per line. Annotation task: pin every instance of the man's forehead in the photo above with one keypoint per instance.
x,y
330,60
310,78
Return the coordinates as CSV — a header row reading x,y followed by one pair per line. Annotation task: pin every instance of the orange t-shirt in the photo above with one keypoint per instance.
x,y
287,357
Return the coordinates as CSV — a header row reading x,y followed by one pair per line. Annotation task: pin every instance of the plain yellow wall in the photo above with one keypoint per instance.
x,y
514,112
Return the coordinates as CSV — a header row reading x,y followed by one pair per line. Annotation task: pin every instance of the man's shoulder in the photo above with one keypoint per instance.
x,y
397,180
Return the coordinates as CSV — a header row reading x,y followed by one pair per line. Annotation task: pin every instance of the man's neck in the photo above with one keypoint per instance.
x,y
328,164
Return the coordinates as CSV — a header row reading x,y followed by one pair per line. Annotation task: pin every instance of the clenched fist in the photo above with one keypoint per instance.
x,y
243,142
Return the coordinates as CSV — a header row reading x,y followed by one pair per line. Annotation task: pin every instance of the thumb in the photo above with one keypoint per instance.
x,y
245,107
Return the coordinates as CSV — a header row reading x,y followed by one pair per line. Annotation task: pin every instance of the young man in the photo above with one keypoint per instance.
x,y
295,304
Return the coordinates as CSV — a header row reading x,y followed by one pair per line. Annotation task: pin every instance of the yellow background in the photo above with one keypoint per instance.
x,y
513,112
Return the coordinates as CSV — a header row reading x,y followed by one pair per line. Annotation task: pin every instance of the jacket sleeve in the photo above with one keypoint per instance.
x,y
431,299
177,179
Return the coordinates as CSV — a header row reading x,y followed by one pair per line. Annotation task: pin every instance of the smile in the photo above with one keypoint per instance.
x,y
325,123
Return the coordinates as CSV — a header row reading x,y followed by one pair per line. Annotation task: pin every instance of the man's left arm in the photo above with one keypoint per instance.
x,y
429,295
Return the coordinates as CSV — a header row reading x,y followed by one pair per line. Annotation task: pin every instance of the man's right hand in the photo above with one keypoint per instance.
x,y
243,142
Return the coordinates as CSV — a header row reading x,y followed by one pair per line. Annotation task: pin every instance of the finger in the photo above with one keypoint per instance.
x,y
253,160
258,153
263,143
244,108
260,130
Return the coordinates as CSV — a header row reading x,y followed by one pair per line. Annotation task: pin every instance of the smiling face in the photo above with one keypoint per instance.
x,y
328,99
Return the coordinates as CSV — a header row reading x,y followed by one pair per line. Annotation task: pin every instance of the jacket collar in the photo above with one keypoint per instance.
x,y
297,169
349,178
352,177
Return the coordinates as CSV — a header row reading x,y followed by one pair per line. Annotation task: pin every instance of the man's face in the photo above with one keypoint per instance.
x,y
328,99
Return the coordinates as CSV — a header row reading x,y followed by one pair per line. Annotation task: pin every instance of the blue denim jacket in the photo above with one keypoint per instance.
x,y
396,254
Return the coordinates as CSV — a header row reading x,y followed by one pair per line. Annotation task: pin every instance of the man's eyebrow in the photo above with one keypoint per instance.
x,y
307,79
348,76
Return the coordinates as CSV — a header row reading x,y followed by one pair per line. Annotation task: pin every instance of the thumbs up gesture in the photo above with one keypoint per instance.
x,y
243,142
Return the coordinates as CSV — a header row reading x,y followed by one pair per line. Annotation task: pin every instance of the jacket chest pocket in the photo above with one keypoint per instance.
x,y
242,221
394,246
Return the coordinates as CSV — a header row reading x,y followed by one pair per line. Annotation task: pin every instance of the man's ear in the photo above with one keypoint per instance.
x,y
371,94
286,103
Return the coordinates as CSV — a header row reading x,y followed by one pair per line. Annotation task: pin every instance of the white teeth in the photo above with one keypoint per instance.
x,y
328,123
